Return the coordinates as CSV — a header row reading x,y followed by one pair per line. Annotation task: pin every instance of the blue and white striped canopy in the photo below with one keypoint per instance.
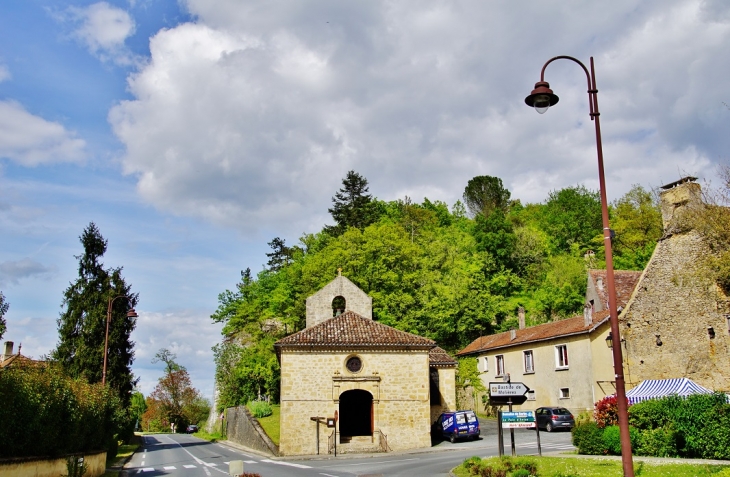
x,y
658,388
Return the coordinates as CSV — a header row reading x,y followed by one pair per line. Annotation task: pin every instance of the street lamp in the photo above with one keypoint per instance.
x,y
130,314
542,98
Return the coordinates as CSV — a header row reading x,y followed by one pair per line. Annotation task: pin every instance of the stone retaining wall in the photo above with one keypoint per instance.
x,y
242,428
46,467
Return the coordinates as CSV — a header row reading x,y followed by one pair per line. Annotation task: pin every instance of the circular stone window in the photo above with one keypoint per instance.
x,y
353,364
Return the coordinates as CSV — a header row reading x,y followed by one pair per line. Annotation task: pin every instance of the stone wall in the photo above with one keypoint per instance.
x,y
312,382
447,391
319,305
242,428
46,467
667,323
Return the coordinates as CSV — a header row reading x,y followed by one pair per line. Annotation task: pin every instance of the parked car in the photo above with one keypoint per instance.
x,y
191,429
551,418
457,425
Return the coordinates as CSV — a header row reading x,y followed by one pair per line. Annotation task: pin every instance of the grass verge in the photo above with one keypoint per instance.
x,y
272,424
578,467
214,437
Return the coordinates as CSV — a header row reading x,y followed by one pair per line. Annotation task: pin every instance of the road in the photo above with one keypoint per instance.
x,y
187,456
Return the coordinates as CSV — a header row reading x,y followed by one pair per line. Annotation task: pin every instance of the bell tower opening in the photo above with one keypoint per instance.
x,y
338,305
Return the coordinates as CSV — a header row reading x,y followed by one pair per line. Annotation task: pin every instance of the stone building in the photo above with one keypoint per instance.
x,y
677,324
564,363
386,385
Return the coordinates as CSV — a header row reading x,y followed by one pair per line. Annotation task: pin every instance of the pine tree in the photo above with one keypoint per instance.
x,y
352,206
485,194
82,325
280,256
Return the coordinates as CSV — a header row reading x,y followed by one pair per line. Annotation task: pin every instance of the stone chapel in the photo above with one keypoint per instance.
x,y
386,386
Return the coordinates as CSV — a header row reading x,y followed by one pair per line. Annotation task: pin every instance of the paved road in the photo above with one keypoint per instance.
x,y
188,456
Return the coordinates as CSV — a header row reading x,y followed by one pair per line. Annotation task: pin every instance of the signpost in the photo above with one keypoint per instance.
x,y
501,393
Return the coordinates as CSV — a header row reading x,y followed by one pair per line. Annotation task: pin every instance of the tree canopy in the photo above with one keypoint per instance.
x,y
352,206
485,194
82,324
430,270
4,306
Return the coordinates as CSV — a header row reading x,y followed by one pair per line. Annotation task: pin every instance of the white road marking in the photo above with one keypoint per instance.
x,y
368,463
198,461
169,467
142,463
291,464
148,469
189,466
328,475
211,465
250,462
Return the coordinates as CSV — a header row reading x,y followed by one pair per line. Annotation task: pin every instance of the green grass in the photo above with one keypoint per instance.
x,y
214,437
589,467
272,424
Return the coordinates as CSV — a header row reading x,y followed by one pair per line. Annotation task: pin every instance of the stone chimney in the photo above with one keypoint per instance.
x,y
512,335
8,351
587,314
521,317
677,199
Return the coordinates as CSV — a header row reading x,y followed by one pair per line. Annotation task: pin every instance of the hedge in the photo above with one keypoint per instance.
x,y
50,414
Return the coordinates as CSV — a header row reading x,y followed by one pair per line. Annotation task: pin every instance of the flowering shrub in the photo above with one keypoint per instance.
x,y
606,412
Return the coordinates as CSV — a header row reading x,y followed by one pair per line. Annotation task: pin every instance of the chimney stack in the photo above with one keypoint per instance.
x,y
521,317
8,352
587,314
512,334
677,199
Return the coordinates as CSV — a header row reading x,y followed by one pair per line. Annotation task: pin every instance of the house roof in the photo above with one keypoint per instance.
x,y
624,280
439,358
546,331
352,330
18,360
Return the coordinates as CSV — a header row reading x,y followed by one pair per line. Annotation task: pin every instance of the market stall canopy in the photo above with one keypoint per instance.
x,y
659,388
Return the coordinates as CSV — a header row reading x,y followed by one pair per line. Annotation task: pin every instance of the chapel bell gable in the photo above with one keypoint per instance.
x,y
338,296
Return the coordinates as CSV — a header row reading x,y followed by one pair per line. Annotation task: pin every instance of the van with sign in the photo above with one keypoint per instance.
x,y
455,425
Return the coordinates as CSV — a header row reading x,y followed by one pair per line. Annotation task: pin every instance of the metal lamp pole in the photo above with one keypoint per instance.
x,y
130,314
541,99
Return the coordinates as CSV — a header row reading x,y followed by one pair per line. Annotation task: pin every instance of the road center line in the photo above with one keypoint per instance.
x,y
370,463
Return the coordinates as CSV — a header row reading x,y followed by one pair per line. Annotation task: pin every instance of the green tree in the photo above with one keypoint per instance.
x,y
562,293
352,206
174,394
82,325
485,194
280,256
572,216
495,235
3,309
637,221
137,406
467,377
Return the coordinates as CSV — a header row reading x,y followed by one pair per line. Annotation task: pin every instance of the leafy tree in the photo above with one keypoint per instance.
x,y
637,221
495,235
279,257
175,398
82,325
3,309
352,206
572,216
137,406
467,377
485,194
562,293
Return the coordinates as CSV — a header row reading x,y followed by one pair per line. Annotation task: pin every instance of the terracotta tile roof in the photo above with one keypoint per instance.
x,y
546,331
439,358
624,280
20,361
352,330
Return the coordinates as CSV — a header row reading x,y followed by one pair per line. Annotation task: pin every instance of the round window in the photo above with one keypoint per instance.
x,y
354,364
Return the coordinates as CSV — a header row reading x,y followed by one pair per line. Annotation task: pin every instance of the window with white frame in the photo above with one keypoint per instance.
x,y
485,364
561,356
529,361
531,395
564,393
499,365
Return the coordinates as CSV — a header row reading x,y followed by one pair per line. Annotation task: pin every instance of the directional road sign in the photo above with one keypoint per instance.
x,y
507,389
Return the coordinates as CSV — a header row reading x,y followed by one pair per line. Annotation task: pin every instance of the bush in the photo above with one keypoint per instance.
x,y
661,442
50,414
654,413
260,409
606,412
501,467
588,438
612,439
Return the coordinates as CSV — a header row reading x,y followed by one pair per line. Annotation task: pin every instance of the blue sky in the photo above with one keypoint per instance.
x,y
192,132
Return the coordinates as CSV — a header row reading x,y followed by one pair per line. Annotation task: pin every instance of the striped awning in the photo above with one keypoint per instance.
x,y
659,388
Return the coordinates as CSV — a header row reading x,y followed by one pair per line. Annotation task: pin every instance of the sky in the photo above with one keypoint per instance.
x,y
193,132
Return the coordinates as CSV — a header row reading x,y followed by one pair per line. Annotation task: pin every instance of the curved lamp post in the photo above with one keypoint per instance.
x,y
130,314
541,98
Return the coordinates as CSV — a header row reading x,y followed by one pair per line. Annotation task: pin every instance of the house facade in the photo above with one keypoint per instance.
x,y
385,385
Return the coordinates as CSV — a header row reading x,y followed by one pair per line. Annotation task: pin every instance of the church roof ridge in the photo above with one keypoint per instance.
x,y
353,330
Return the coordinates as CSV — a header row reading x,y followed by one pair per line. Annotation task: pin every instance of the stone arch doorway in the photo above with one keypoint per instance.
x,y
356,413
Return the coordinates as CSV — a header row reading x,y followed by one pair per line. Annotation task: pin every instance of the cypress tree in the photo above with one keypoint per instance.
x,y
82,324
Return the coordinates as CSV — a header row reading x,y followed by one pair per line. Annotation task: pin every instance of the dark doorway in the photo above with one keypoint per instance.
x,y
356,413
339,305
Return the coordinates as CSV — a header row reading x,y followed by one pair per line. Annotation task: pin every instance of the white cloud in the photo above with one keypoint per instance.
x,y
252,115
103,28
4,73
31,140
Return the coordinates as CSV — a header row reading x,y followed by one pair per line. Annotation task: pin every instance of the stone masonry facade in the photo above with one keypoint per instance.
x,y
319,305
312,382
677,324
